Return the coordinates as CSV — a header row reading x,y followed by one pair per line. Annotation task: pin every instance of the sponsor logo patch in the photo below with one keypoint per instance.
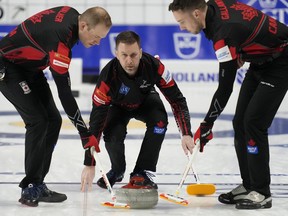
x,y
25,87
60,64
158,130
223,54
252,148
124,89
167,76
98,100
61,60
101,95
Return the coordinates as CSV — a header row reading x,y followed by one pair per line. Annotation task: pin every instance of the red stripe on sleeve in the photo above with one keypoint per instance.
x,y
219,44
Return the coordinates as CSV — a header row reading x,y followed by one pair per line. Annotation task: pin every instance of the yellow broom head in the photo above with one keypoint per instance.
x,y
200,189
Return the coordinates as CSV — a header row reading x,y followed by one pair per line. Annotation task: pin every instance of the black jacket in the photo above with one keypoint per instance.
x,y
240,33
115,87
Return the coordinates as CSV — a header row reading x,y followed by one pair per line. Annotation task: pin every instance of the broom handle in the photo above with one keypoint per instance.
x,y
188,166
104,176
197,146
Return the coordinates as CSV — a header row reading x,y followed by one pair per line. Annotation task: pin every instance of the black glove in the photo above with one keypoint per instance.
x,y
89,140
204,133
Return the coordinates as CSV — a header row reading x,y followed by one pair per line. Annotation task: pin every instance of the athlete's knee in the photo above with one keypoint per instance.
x,y
37,123
115,134
56,121
252,124
51,123
237,123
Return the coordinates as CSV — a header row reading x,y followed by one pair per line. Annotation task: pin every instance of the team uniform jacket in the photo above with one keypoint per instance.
x,y
114,87
45,40
231,27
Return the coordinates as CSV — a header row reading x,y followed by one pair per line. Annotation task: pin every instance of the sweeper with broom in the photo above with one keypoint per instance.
x,y
241,33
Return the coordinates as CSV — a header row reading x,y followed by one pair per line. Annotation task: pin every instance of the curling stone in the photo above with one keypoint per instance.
x,y
138,198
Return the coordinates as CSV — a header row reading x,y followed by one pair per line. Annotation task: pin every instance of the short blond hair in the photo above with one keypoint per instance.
x,y
96,15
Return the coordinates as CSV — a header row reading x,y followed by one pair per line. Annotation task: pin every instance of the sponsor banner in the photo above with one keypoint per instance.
x,y
193,71
168,41
5,29
275,8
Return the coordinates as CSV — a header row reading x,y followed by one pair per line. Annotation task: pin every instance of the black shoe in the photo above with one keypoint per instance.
x,y
47,195
112,176
233,196
30,195
254,200
141,180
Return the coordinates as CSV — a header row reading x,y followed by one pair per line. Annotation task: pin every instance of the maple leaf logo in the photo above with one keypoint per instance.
x,y
251,142
161,124
248,12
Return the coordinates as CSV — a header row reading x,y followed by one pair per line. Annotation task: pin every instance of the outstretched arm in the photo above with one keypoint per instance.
x,y
227,73
178,103
71,108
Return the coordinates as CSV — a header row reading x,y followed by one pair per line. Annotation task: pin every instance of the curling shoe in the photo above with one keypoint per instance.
x,y
233,196
254,200
47,195
112,176
30,195
141,180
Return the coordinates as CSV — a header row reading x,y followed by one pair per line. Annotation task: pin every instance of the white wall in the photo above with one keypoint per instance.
x,y
121,11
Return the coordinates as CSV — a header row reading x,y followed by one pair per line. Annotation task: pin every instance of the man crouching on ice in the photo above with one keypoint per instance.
x,y
125,90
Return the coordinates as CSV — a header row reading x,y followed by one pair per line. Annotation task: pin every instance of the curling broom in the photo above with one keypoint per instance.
x,y
114,203
199,189
175,198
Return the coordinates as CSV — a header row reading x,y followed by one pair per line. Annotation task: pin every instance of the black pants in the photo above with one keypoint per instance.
x,y
30,94
261,94
153,113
